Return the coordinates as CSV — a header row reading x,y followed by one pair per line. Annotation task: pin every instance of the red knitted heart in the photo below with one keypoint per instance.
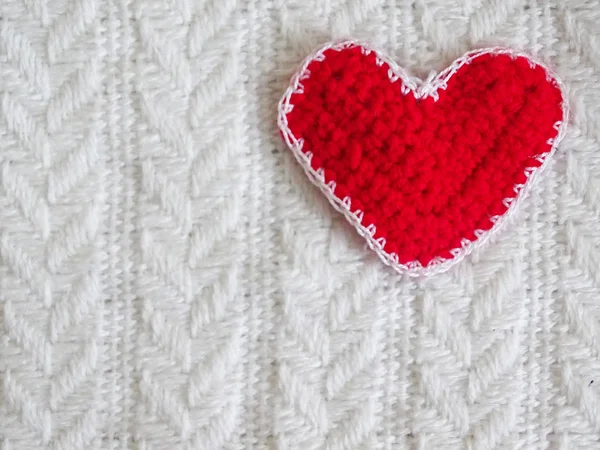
x,y
425,171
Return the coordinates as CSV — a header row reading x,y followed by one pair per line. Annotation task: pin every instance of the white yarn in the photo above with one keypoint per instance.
x,y
169,279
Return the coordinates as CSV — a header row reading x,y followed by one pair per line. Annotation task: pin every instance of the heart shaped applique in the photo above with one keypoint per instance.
x,y
425,171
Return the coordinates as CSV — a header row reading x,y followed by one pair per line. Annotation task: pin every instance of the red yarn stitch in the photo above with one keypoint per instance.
x,y
426,173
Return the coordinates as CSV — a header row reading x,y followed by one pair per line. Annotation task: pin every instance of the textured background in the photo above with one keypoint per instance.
x,y
170,280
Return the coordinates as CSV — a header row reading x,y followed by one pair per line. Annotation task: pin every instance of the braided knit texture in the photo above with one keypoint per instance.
x,y
170,278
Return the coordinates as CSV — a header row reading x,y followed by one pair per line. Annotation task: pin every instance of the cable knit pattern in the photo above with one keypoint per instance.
x,y
170,279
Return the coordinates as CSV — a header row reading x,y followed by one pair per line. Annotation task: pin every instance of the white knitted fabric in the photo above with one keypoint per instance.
x,y
169,279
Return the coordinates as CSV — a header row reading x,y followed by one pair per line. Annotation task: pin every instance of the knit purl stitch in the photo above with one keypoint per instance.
x,y
424,169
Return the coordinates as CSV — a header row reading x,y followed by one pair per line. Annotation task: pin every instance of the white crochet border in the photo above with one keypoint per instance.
x,y
420,89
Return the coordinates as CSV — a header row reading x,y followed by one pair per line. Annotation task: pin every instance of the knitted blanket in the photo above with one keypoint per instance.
x,y
170,279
